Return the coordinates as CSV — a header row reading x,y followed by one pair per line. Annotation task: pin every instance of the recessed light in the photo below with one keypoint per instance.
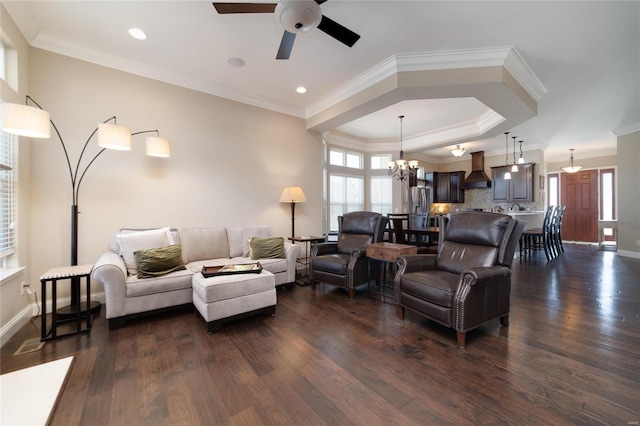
x,y
236,62
301,89
137,33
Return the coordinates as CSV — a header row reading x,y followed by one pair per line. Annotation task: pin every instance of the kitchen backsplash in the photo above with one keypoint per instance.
x,y
480,198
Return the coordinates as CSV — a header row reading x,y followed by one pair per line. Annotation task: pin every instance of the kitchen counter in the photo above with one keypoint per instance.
x,y
532,219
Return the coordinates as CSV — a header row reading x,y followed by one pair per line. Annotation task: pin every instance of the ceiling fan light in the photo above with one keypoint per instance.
x,y
298,16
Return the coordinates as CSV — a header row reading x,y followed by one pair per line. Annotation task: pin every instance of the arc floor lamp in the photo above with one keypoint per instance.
x,y
35,122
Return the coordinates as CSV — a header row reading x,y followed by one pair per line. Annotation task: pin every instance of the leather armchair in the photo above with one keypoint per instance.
x,y
344,263
468,282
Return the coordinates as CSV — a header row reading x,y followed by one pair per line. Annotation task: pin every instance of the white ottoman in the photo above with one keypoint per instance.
x,y
228,297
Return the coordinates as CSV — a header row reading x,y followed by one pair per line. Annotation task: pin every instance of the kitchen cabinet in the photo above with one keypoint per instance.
x,y
446,187
515,190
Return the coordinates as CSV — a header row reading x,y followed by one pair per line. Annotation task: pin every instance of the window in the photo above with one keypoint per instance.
x,y
338,157
607,198
380,162
553,189
8,62
7,199
381,194
346,195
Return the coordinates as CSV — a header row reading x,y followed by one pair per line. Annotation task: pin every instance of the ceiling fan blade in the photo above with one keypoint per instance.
x,y
284,51
320,1
225,8
337,31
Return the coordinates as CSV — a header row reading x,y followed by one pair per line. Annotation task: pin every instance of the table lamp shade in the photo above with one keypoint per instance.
x,y
112,136
157,147
292,194
24,120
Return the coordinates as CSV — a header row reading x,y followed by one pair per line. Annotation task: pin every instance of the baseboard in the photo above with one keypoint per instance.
x,y
627,253
31,311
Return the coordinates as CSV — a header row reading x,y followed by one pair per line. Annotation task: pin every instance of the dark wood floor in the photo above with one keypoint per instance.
x,y
570,356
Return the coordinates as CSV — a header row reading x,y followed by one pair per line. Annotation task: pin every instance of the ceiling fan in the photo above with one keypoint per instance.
x,y
296,16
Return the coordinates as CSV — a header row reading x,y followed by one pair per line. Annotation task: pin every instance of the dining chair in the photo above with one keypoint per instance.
x,y
537,238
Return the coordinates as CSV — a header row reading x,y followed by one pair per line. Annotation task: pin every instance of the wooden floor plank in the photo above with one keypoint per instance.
x,y
571,356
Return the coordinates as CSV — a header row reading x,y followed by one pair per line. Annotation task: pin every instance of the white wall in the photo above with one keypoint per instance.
x,y
11,302
629,194
229,161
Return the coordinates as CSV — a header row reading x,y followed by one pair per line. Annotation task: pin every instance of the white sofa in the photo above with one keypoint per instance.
x,y
128,296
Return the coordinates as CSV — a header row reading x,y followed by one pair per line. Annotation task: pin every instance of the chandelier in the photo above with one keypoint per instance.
x,y
402,168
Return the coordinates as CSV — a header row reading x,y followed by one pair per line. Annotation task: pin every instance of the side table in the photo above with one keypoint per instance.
x,y
388,254
305,260
74,274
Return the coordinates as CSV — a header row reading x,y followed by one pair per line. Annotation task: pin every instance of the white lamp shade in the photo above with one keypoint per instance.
x,y
292,194
112,136
157,147
514,168
24,120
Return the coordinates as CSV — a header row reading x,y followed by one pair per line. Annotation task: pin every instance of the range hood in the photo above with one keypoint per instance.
x,y
477,178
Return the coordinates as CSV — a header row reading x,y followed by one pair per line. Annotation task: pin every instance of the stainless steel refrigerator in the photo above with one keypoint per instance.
x,y
419,207
419,197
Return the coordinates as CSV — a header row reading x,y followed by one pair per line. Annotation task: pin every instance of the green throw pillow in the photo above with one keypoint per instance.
x,y
266,248
159,261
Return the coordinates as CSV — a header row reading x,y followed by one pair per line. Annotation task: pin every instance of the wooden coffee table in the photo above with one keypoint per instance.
x,y
388,253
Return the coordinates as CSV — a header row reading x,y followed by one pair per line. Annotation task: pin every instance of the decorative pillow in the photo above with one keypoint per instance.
x,y
132,241
253,231
159,261
266,248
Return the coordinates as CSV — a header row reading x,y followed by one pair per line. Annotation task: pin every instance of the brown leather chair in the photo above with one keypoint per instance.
x,y
344,263
468,282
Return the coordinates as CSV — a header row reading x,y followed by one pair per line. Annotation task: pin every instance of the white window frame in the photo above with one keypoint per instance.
x,y
8,199
345,155
347,205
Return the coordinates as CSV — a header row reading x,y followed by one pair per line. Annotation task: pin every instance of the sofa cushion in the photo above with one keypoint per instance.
x,y
177,280
130,242
225,287
239,238
159,261
266,248
204,243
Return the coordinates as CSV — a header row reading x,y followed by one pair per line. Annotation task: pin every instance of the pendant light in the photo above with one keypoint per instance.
x,y
521,159
507,174
514,168
458,151
571,168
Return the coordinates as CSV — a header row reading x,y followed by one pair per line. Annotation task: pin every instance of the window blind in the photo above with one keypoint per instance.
x,y
7,194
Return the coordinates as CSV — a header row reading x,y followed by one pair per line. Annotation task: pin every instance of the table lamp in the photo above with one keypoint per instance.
x,y
293,195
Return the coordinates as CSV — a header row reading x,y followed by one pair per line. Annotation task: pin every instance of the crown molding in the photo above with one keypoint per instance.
x,y
556,158
506,56
625,130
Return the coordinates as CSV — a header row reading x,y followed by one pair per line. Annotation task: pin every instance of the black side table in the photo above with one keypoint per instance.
x,y
305,260
64,273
